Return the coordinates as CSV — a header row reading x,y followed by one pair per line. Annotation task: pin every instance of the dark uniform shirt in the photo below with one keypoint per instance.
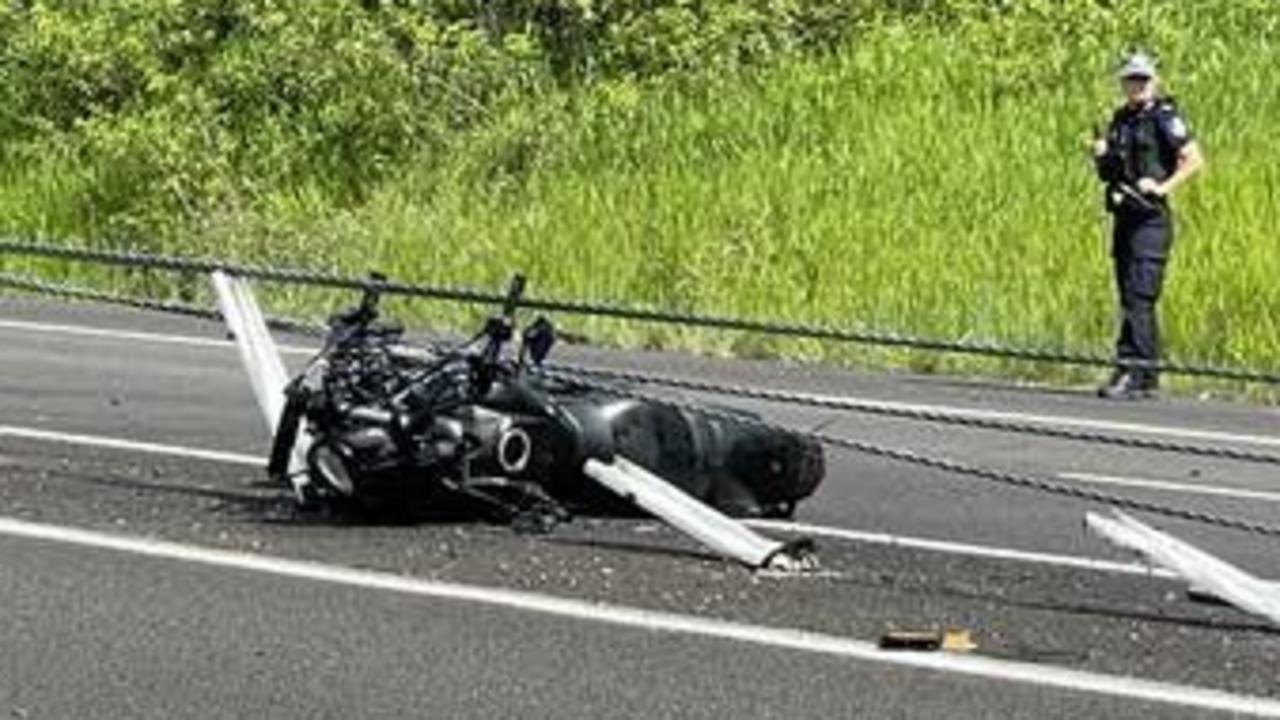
x,y
1142,142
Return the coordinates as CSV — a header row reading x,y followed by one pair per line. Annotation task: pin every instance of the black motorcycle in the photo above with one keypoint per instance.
x,y
392,426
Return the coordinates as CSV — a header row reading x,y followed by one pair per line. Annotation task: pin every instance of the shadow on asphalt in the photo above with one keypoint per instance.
x,y
1084,609
635,548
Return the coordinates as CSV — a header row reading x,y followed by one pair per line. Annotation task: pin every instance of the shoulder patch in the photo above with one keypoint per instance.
x,y
1178,128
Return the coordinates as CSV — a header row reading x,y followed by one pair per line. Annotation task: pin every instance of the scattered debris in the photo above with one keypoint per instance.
x,y
950,640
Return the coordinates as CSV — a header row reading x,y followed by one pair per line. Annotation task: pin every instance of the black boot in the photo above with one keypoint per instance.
x,y
1128,385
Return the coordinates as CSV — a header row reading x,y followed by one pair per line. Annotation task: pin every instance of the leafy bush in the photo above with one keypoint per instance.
x,y
183,109
180,107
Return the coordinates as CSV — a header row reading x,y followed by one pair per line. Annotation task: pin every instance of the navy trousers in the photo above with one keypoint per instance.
x,y
1140,249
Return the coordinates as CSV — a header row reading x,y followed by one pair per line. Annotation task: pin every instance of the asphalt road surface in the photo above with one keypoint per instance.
x,y
148,570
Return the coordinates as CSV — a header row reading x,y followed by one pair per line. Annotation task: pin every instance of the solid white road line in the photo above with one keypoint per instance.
x,y
656,621
161,338
1068,421
995,553
1060,420
132,446
110,334
1168,486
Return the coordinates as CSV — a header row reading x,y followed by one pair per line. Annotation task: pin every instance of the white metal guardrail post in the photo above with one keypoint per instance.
x,y
692,517
261,360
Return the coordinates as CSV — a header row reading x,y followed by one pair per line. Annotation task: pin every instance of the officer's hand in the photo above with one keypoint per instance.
x,y
1099,147
1148,186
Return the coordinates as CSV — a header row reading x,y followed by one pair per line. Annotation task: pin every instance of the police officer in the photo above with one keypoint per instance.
x,y
1146,153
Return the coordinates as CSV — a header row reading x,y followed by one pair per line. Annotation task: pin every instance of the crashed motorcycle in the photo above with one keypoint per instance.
x,y
375,422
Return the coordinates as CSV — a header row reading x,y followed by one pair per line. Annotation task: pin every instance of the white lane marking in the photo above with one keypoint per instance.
x,y
1165,485
109,334
959,548
132,446
1068,421
658,621
1065,421
998,553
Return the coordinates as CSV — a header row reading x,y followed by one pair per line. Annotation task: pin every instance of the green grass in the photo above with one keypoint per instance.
x,y
927,178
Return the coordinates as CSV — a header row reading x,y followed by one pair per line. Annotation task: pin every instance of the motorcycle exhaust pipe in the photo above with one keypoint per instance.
x,y
514,450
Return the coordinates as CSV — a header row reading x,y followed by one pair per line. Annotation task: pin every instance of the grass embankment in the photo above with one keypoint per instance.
x,y
927,175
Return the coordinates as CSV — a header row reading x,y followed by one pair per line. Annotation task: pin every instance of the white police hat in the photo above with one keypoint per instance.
x,y
1137,65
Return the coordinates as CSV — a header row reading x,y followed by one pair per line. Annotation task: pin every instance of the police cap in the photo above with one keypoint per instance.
x,y
1137,65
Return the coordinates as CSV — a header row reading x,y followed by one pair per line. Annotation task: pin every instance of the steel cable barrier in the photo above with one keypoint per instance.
x,y
320,278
